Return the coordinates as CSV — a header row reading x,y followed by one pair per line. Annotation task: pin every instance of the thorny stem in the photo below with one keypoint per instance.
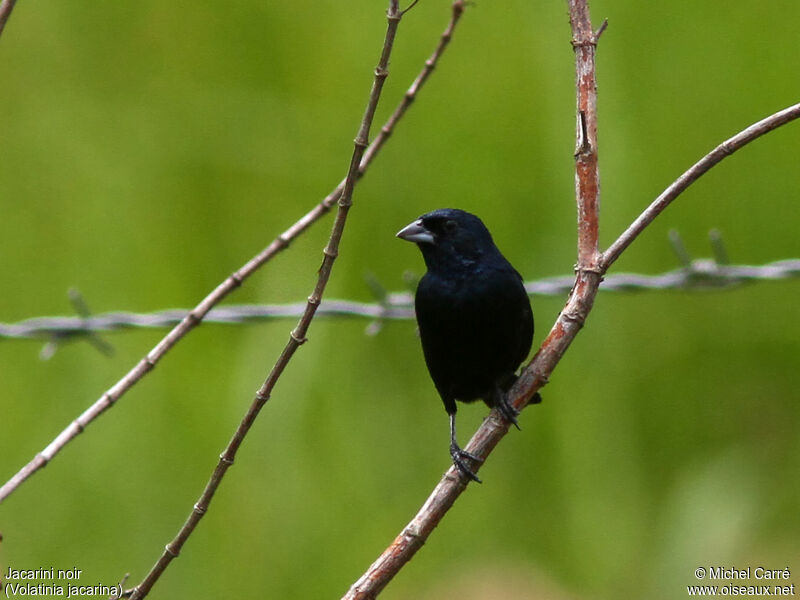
x,y
196,315
587,180
298,335
569,322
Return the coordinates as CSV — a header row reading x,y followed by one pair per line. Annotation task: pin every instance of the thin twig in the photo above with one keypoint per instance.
x,y
411,93
699,274
563,332
600,30
587,181
193,318
6,6
726,148
298,334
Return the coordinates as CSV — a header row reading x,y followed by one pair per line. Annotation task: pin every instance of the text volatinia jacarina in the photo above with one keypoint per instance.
x,y
474,316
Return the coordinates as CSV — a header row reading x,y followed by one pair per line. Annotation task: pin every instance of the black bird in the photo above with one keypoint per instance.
x,y
474,316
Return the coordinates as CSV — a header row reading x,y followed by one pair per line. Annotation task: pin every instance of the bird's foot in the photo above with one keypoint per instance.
x,y
458,455
536,399
504,407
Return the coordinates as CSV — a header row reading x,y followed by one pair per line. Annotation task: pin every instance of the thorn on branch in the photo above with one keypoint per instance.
x,y
600,30
120,593
410,6
583,146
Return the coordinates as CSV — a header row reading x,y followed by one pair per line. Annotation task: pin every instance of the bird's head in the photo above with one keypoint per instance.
x,y
447,236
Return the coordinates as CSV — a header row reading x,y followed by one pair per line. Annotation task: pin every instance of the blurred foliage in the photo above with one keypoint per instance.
x,y
149,149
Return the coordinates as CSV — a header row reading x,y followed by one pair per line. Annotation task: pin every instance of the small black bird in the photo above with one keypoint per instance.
x,y
474,316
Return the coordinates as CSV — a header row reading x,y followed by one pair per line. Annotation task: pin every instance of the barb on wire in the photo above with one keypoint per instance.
x,y
382,297
81,331
718,247
699,274
679,248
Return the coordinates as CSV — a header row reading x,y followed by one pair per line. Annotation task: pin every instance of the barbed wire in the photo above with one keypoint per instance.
x,y
701,274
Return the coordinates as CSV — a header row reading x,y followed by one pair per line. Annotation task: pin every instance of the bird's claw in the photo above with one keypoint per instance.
x,y
507,410
457,454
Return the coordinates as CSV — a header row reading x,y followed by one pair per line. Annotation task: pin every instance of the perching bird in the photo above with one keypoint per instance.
x,y
474,316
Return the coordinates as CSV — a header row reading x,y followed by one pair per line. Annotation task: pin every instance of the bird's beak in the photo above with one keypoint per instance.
x,y
416,232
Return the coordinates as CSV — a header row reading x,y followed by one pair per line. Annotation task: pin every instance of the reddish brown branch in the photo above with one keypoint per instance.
x,y
567,326
587,182
590,268
563,332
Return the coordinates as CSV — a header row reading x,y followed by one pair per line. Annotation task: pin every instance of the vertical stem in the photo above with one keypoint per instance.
x,y
587,179
569,323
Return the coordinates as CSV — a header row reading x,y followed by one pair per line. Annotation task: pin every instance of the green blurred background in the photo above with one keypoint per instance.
x,y
149,149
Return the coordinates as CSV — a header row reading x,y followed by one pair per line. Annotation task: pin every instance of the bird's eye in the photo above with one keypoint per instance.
x,y
450,226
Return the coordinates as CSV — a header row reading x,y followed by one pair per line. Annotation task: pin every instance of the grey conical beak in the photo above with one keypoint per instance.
x,y
416,232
